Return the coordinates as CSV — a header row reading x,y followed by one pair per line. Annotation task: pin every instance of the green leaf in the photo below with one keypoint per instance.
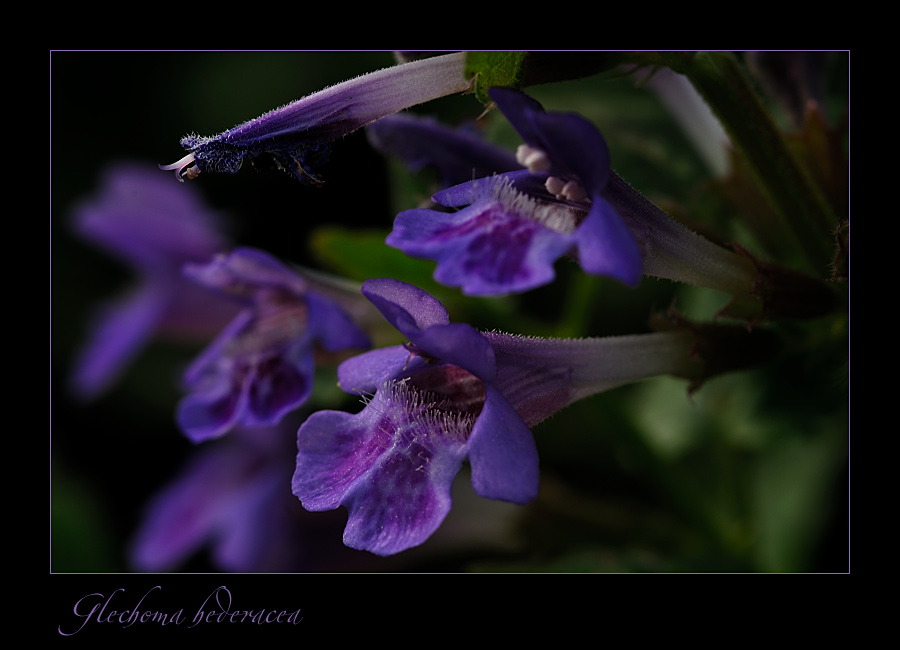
x,y
361,255
494,69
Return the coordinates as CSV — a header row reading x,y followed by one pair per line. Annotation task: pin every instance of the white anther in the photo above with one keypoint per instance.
x,y
574,192
570,191
555,186
534,159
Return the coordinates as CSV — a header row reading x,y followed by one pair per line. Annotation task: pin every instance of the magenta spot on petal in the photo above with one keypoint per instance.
x,y
498,244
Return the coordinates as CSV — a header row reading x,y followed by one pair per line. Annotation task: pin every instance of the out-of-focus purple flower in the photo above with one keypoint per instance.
x,y
261,365
153,227
451,394
233,497
457,155
295,137
517,225
431,404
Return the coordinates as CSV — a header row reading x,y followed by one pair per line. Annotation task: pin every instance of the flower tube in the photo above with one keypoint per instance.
x,y
295,137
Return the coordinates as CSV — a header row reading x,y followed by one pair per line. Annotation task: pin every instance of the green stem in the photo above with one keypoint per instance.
x,y
719,78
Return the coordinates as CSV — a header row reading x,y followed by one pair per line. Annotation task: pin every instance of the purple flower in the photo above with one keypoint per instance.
x,y
261,366
518,224
155,228
295,137
230,496
449,395
430,405
459,155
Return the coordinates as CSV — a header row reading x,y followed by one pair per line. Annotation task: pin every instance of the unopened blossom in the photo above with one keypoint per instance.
x,y
450,395
154,228
261,366
296,137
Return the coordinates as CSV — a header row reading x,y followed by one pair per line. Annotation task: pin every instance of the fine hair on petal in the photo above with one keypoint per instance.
x,y
558,217
410,415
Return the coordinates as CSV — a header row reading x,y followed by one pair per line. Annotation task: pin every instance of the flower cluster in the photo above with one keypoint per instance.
x,y
445,403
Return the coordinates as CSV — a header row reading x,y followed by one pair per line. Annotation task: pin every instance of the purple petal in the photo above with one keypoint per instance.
x,y
460,345
410,503
155,227
209,358
486,249
502,453
279,385
243,272
607,247
230,496
254,391
391,465
458,155
180,519
121,329
519,109
332,327
214,411
147,221
336,111
334,450
407,308
257,528
575,145
365,372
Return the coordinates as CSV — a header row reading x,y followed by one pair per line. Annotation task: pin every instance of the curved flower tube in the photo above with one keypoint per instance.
x,y
295,137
